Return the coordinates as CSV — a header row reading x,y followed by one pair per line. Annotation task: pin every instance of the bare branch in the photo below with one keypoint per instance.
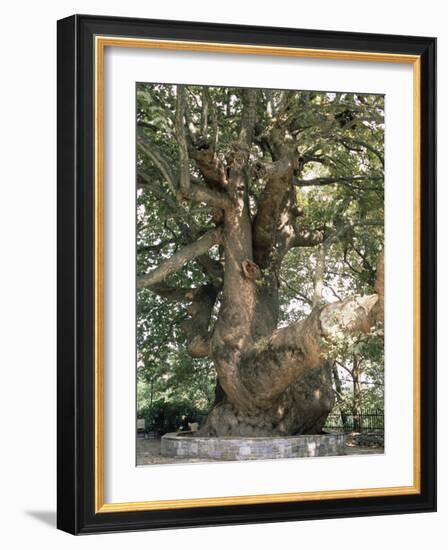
x,y
298,295
195,192
319,274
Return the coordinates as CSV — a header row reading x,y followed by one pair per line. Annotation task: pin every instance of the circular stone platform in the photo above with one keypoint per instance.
x,y
253,448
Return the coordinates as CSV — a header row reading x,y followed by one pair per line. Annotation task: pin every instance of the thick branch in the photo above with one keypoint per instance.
x,y
273,201
270,367
200,193
179,259
184,161
309,237
153,247
196,328
174,294
248,118
186,225
211,167
205,96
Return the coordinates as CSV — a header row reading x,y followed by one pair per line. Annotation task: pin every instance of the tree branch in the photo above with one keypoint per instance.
x,y
196,328
205,110
187,226
184,161
248,117
275,197
200,193
153,247
179,259
334,180
173,294
309,237
211,167
158,158
291,352
346,144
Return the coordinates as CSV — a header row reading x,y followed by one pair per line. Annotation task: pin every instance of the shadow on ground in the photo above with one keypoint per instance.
x,y
48,517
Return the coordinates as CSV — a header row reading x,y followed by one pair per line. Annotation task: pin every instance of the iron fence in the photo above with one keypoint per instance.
x,y
366,420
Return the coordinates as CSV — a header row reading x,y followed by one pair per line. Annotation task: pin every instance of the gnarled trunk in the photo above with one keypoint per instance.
x,y
286,378
302,408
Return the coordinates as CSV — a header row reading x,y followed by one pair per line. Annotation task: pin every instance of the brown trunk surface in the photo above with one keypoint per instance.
x,y
302,408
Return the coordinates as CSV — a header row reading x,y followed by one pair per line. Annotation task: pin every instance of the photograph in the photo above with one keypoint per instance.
x,y
260,273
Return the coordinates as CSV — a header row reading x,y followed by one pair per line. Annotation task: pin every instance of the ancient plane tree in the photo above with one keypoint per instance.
x,y
236,189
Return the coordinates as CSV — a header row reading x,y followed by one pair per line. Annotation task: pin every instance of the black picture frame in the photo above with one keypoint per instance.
x,y
76,511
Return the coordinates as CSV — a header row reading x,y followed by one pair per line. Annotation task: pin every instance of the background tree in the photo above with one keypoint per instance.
x,y
259,237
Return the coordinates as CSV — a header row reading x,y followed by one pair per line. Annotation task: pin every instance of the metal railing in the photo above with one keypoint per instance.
x,y
366,420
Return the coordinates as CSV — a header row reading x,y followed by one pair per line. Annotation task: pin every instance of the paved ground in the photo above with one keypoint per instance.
x,y
148,452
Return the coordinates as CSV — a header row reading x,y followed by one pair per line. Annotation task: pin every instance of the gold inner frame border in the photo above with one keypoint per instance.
x,y
100,43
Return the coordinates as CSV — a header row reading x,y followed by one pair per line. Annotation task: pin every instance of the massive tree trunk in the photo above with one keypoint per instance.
x,y
302,408
270,380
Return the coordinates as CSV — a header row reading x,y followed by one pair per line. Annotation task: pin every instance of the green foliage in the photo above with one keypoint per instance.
x,y
360,363
170,416
165,370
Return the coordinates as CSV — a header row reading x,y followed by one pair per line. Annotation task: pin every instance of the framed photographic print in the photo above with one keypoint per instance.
x,y
246,274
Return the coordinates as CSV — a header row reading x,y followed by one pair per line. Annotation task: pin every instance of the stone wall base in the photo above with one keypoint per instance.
x,y
254,448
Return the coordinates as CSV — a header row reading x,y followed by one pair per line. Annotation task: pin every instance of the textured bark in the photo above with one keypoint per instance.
x,y
302,408
272,204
